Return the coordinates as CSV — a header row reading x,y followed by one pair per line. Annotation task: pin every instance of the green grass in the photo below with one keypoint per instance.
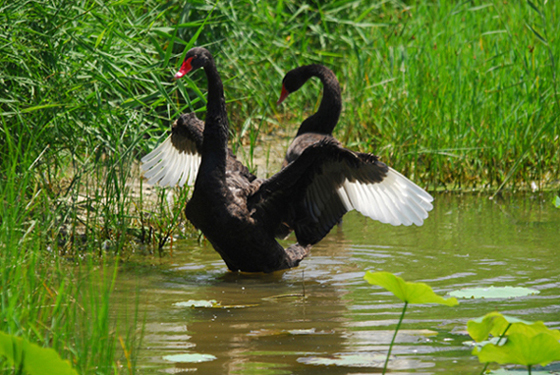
x,y
455,95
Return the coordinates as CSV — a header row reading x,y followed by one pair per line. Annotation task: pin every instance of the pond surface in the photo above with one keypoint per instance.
x,y
323,318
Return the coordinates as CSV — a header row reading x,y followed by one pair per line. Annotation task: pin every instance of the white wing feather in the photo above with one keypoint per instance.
x,y
396,200
168,166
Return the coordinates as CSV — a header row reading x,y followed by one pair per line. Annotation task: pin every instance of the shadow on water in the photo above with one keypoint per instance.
x,y
322,317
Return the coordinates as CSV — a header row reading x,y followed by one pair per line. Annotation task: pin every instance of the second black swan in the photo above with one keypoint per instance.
x,y
319,127
322,123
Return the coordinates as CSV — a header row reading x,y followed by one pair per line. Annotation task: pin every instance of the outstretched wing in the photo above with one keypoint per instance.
x,y
177,159
313,192
395,200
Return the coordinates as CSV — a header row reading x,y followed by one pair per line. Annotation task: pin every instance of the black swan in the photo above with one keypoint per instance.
x,y
319,127
321,124
241,215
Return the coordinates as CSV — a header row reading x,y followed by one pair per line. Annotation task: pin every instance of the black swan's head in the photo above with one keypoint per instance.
x,y
197,57
293,80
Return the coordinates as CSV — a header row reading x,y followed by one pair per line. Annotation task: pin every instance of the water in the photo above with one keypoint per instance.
x,y
323,318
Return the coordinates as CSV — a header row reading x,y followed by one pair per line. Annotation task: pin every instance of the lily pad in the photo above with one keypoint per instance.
x,y
209,304
493,292
363,359
407,291
197,303
282,332
189,358
264,368
517,371
348,360
418,332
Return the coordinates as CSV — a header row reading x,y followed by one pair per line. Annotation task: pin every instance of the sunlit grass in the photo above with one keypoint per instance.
x,y
455,95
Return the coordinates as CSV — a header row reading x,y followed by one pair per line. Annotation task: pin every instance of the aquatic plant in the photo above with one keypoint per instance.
x,y
513,341
159,222
31,358
408,292
493,292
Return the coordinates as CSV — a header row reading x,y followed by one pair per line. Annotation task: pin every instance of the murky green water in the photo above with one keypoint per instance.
x,y
323,318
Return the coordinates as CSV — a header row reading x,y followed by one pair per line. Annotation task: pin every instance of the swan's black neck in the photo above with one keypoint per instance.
x,y
214,147
326,118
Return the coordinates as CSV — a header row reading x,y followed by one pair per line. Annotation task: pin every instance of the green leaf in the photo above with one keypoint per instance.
x,y
538,35
407,291
522,349
535,8
556,201
41,107
496,324
100,38
31,358
493,292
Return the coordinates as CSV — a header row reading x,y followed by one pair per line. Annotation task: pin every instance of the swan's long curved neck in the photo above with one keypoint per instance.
x,y
326,118
214,147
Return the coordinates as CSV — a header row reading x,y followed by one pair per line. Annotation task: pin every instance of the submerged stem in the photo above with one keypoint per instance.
x,y
394,337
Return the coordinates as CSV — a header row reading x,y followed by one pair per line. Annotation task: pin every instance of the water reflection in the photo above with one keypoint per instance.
x,y
262,317
324,318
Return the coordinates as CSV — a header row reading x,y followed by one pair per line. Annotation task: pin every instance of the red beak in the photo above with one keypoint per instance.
x,y
283,95
185,68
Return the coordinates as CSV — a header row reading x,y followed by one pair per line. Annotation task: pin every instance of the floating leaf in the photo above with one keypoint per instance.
x,y
503,371
197,303
522,349
31,358
261,368
189,358
363,359
295,332
209,304
495,324
267,332
418,332
282,332
407,291
493,292
349,360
